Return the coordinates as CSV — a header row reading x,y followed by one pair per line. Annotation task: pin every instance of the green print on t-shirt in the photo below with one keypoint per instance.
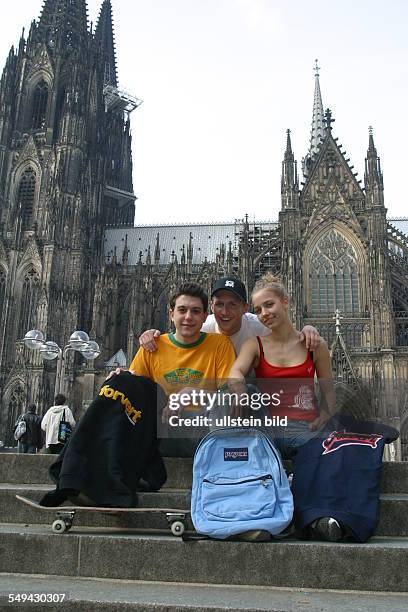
x,y
183,376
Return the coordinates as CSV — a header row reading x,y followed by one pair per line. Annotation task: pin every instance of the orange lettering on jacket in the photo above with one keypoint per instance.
x,y
113,394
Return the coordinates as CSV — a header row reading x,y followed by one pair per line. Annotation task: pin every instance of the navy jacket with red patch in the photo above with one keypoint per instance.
x,y
338,475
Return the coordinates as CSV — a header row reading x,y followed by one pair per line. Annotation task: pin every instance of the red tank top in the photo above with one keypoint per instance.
x,y
297,397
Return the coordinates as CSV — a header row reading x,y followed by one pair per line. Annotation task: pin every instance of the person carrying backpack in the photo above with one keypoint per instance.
x,y
51,423
27,431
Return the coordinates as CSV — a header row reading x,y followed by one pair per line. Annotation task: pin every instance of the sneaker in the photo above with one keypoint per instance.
x,y
327,528
254,535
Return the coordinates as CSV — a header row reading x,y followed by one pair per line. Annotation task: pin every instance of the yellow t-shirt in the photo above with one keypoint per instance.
x,y
204,364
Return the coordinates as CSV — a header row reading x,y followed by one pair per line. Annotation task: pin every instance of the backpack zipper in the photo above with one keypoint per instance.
x,y
262,480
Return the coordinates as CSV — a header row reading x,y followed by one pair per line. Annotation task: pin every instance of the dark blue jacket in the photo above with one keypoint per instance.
x,y
338,475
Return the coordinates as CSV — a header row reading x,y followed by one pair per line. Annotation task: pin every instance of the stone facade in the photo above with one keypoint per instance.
x,y
70,257
65,173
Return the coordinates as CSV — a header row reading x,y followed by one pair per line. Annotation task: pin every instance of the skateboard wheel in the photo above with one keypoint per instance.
x,y
177,528
59,526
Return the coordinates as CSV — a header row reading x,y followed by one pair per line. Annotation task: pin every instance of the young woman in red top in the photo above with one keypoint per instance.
x,y
283,365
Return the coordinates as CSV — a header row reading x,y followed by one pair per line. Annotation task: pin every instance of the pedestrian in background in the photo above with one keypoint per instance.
x,y
51,423
30,441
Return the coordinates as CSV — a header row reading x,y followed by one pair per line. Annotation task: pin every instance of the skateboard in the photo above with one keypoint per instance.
x,y
64,515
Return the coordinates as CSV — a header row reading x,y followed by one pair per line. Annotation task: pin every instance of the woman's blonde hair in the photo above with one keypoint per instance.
x,y
271,282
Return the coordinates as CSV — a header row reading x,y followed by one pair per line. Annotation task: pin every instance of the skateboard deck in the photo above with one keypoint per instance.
x,y
64,515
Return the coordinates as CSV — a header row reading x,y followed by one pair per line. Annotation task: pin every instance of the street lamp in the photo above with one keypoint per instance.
x,y
49,350
34,339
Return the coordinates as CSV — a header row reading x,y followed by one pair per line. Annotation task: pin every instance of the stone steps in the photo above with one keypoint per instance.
x,y
120,554
102,595
100,549
33,469
393,510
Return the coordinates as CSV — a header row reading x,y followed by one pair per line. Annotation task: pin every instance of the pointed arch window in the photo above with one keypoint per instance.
x,y
25,197
16,407
334,277
123,318
28,302
2,291
39,108
59,111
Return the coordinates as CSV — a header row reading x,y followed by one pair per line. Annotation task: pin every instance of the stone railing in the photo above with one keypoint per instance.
x,y
352,329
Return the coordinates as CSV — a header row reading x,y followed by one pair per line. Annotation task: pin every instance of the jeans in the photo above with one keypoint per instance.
x,y
27,448
288,439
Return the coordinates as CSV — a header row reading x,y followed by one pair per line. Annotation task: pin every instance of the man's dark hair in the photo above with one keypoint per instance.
x,y
60,399
191,289
31,408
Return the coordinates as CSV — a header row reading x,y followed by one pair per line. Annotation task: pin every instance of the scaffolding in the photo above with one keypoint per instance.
x,y
118,99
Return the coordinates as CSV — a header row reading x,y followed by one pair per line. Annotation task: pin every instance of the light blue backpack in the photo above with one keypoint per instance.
x,y
239,484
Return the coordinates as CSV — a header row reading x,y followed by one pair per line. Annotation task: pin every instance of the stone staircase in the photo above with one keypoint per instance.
x,y
117,563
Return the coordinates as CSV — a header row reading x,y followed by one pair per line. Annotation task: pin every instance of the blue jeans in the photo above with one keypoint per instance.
x,y
288,439
27,448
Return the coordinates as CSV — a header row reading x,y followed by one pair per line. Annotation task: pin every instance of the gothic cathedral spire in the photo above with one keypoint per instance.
x,y
373,178
289,180
105,41
63,25
318,124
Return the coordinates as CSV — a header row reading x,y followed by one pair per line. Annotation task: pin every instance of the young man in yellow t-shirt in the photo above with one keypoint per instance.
x,y
189,358
186,363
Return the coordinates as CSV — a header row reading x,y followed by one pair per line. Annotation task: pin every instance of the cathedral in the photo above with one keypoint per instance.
x,y
71,257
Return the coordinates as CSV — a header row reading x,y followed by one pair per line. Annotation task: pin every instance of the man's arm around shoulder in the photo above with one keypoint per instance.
x,y
141,364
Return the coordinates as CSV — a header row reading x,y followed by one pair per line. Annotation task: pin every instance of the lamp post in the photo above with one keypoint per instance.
x,y
49,350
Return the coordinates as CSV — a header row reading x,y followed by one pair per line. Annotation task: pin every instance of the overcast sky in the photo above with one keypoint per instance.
x,y
222,80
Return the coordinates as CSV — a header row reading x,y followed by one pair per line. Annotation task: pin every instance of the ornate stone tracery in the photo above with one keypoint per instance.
x,y
334,276
28,301
26,196
39,105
